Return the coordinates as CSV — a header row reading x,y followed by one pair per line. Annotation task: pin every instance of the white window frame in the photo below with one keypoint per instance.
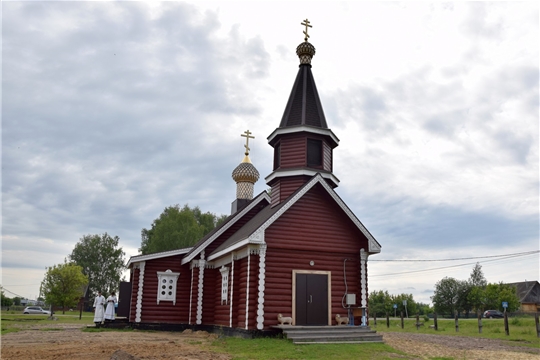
x,y
224,284
168,279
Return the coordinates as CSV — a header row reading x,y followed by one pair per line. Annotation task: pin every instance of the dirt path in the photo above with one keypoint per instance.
x,y
69,342
426,346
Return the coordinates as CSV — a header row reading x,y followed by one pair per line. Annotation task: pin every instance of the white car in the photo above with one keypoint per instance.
x,y
35,310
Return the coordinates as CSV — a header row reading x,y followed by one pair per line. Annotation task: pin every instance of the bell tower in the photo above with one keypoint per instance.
x,y
303,144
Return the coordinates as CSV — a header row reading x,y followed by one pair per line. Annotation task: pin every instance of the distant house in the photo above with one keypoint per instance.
x,y
528,293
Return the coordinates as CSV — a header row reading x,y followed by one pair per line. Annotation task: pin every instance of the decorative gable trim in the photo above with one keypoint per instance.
x,y
302,128
258,236
138,258
300,172
218,233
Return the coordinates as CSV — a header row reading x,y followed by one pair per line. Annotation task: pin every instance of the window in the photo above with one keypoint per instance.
x,y
224,284
314,152
167,286
277,156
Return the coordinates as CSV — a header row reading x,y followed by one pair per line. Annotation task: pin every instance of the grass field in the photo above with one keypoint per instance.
x,y
522,329
522,333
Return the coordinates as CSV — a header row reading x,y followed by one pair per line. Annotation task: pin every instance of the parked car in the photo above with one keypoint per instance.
x,y
35,310
493,314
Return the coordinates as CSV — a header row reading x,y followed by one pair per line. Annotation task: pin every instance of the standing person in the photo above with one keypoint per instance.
x,y
99,302
109,312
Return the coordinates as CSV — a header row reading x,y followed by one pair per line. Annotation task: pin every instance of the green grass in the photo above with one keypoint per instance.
x,y
274,348
522,329
13,322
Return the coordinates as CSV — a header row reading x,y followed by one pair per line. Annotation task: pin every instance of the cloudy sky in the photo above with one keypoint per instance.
x,y
113,111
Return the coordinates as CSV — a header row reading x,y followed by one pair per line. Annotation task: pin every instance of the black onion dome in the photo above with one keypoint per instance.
x,y
305,52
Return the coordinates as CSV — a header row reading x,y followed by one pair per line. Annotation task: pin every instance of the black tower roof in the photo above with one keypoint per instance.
x,y
304,106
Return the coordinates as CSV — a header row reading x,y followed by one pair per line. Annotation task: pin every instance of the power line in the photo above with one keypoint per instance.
x,y
509,256
458,259
11,292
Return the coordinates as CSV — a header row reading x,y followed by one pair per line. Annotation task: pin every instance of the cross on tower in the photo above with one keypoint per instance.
x,y
247,134
306,24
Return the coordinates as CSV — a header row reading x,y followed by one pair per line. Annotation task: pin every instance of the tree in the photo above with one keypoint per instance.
x,y
63,285
477,276
447,295
17,300
495,294
177,228
5,301
424,309
410,309
380,302
102,260
477,283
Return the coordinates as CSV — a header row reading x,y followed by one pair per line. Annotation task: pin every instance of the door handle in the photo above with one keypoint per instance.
x,y
310,299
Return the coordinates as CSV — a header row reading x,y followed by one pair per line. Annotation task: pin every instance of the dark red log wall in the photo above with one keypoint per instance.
x,y
313,229
165,311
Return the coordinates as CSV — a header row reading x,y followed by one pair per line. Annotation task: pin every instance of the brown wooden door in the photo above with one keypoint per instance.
x,y
124,298
311,299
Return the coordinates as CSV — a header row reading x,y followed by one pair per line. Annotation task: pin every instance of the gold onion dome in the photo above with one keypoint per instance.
x,y
245,172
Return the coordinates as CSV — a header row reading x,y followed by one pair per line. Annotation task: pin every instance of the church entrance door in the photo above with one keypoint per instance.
x,y
311,299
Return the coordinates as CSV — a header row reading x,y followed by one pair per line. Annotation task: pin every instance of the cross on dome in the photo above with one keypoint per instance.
x,y
306,24
247,134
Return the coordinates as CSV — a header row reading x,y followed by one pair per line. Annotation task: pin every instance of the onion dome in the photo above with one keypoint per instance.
x,y
245,175
245,172
305,52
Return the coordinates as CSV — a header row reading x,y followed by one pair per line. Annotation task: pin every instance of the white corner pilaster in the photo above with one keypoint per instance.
x,y
138,307
190,296
363,277
262,276
202,264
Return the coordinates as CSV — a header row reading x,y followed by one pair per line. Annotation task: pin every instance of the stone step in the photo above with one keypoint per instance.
x,y
330,334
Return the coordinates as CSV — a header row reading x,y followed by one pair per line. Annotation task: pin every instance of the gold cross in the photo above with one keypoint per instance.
x,y
247,136
306,24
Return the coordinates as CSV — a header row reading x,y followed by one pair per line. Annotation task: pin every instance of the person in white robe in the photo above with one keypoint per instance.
x,y
99,310
109,311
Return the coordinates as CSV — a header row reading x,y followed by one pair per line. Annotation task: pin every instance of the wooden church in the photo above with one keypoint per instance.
x,y
298,251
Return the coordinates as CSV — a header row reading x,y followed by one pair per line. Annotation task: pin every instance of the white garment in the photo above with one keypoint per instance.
x,y
98,305
109,312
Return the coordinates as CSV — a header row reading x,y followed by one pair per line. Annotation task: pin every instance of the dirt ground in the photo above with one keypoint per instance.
x,y
64,341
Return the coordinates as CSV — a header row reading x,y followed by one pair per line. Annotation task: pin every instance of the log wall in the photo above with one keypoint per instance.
x,y
314,229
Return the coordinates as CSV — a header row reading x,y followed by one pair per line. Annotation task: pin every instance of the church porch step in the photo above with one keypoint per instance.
x,y
330,334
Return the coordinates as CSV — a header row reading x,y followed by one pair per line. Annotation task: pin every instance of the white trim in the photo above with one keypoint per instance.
x,y
236,216
374,246
247,288
138,307
363,279
302,128
300,172
190,297
159,255
228,250
171,278
224,270
257,237
202,264
262,276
